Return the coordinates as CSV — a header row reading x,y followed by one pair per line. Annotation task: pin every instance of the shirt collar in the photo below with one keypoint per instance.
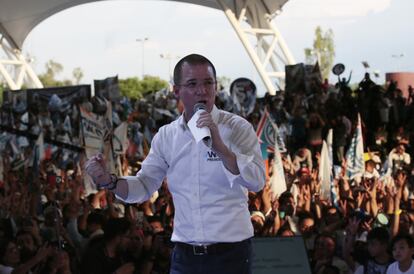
x,y
214,114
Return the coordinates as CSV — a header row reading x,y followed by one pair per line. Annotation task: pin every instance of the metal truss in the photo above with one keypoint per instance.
x,y
271,53
14,68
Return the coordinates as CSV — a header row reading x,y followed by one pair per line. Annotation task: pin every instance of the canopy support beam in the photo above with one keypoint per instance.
x,y
272,53
14,68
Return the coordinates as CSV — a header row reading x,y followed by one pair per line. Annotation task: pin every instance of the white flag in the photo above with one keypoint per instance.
x,y
277,181
325,172
355,165
40,146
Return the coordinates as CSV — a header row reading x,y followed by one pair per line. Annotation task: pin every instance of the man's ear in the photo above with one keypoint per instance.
x,y
176,91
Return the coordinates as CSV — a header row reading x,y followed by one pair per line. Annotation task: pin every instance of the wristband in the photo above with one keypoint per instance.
x,y
398,212
112,184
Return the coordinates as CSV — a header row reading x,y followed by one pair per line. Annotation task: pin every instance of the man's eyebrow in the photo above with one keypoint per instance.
x,y
195,79
191,79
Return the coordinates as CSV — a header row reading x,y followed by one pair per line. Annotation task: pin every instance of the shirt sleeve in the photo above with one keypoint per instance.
x,y
244,144
149,178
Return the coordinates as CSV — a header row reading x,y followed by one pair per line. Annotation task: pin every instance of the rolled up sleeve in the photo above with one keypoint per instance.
x,y
150,177
244,144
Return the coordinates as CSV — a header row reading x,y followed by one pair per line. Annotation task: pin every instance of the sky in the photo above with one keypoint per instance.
x,y
101,37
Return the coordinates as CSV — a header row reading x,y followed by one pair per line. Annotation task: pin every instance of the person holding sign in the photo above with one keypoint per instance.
x,y
209,185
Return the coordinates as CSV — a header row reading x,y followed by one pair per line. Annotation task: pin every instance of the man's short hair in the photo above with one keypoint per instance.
x,y
403,237
285,196
116,227
192,59
380,234
96,217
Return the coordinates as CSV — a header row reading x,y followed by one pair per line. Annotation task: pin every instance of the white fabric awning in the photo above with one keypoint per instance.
x,y
19,17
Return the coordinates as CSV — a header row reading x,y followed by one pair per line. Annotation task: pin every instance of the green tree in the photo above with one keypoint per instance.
x,y
135,88
223,81
130,87
77,74
2,89
48,78
323,51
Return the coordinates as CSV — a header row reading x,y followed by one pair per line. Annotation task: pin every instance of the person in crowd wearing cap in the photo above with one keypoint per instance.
x,y
212,227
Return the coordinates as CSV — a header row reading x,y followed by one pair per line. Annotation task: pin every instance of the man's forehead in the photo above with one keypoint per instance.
x,y
197,71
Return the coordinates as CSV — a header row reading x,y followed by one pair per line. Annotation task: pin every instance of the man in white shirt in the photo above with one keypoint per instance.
x,y
209,186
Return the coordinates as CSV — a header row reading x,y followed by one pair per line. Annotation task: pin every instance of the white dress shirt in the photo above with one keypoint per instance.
x,y
210,202
395,269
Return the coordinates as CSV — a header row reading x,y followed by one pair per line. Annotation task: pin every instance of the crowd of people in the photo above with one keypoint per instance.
x,y
50,224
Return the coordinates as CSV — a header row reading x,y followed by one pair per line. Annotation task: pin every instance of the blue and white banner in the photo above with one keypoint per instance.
x,y
243,92
355,165
268,134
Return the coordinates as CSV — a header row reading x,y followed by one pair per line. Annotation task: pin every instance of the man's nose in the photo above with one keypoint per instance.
x,y
201,89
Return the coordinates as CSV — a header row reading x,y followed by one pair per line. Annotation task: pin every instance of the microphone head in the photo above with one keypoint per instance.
x,y
199,106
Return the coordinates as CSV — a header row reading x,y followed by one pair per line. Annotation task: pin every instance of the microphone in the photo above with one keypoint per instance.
x,y
199,106
207,140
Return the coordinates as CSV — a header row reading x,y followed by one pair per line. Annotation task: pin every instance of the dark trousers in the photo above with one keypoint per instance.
x,y
226,258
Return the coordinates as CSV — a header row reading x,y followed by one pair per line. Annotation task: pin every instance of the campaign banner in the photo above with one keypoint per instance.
x,y
93,131
120,140
285,255
268,133
313,78
295,78
16,99
108,88
13,107
243,92
40,98
303,78
107,121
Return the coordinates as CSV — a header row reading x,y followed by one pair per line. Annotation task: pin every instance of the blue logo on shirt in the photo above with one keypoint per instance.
x,y
212,156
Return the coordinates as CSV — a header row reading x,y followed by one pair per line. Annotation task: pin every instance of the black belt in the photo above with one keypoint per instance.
x,y
209,249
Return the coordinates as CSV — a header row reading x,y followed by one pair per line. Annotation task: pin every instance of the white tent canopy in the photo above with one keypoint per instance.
x,y
19,17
